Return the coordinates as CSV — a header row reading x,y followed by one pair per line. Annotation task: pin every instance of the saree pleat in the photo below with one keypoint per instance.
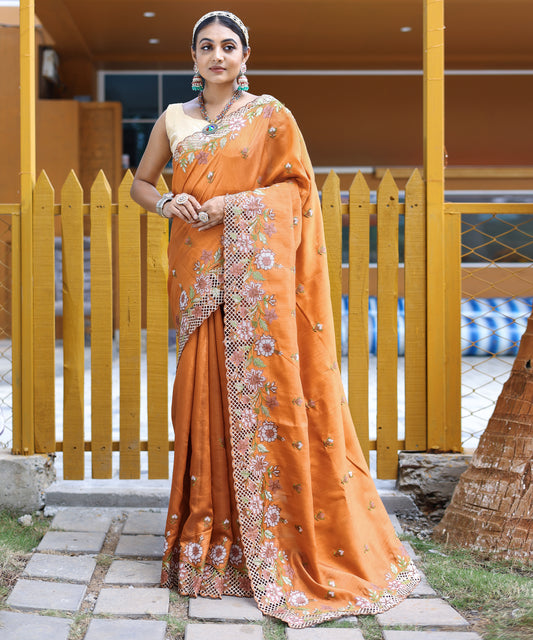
x,y
202,487
271,494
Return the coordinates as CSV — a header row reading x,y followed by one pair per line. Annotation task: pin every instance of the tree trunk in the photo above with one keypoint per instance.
x,y
492,506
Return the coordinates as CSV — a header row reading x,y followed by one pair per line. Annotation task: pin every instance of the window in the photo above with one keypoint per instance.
x,y
144,96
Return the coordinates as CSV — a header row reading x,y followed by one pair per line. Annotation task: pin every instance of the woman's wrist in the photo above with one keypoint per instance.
x,y
163,212
162,202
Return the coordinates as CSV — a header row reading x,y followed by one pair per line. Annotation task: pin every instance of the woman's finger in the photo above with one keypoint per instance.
x,y
195,203
190,211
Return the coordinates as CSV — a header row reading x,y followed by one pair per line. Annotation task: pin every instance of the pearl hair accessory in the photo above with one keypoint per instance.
x,y
223,14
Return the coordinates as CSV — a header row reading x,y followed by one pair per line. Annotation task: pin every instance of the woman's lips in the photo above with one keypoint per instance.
x,y
216,69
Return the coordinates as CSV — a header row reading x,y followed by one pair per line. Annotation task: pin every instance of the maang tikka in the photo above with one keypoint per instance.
x,y
197,80
242,80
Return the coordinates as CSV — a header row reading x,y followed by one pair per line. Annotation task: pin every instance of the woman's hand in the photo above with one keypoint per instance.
x,y
186,211
215,210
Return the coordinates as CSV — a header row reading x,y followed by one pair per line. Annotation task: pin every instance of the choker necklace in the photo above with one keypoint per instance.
x,y
213,126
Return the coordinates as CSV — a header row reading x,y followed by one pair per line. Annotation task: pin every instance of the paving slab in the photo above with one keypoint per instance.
x,y
430,635
410,551
225,608
329,633
197,631
38,594
395,523
72,541
144,546
151,522
423,588
127,601
21,626
70,568
423,612
145,572
126,630
79,519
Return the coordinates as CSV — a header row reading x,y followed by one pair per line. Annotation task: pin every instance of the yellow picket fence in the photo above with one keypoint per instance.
x,y
72,211
101,445
387,210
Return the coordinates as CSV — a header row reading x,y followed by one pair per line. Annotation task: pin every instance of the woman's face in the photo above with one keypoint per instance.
x,y
219,54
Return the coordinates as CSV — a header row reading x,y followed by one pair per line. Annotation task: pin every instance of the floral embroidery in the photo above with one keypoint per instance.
x,y
267,432
194,552
218,554
202,298
200,146
273,593
265,346
297,599
264,259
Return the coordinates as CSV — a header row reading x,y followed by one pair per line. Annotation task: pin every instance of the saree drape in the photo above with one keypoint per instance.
x,y
271,496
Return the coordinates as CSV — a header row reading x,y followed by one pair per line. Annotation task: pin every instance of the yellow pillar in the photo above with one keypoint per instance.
x,y
434,173
27,182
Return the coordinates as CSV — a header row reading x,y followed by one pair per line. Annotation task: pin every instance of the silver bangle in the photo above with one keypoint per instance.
x,y
167,197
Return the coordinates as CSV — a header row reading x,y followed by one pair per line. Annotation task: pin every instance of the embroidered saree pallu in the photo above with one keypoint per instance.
x,y
271,495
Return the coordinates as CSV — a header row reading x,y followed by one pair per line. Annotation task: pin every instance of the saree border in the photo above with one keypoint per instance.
x,y
251,396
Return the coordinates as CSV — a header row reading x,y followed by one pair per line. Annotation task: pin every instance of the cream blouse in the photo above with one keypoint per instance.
x,y
179,125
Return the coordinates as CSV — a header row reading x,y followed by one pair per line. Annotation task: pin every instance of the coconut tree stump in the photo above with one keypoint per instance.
x,y
492,506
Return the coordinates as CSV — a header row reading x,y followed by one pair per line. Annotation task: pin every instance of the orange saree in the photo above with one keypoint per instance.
x,y
271,496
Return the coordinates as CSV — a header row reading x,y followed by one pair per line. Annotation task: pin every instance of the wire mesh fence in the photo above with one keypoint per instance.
x,y
497,266
6,358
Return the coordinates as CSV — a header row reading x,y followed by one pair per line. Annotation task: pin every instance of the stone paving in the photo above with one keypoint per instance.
x,y
95,576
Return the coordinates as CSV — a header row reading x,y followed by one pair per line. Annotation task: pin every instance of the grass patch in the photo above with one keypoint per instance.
x,y
495,596
18,538
369,627
175,627
273,629
16,542
104,560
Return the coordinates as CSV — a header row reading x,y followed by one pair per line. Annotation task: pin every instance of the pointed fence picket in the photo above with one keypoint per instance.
x,y
44,314
415,314
101,328
157,343
129,266
73,328
358,284
99,215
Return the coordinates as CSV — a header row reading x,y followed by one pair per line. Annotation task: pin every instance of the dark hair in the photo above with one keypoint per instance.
x,y
227,22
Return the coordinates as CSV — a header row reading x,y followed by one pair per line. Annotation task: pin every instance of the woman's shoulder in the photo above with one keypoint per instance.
x,y
274,108
272,105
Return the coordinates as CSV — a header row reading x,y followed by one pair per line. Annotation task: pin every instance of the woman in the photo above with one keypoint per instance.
x,y
271,496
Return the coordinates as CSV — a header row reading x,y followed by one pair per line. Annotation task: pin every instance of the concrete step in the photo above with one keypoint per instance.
x,y
154,494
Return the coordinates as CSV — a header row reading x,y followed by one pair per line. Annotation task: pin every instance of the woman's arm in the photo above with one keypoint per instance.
x,y
155,157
